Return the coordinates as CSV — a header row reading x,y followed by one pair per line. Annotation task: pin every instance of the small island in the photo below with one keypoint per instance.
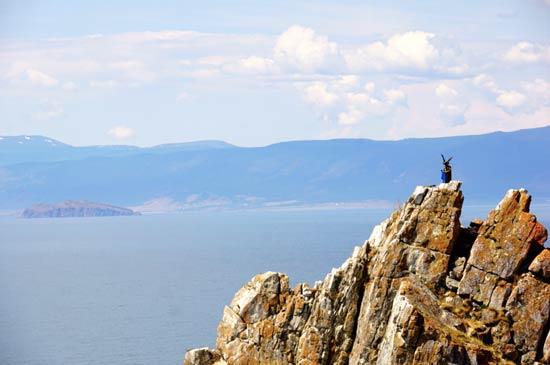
x,y
72,208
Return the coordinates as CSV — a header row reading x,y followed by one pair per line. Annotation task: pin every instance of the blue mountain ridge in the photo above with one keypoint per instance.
x,y
30,148
304,172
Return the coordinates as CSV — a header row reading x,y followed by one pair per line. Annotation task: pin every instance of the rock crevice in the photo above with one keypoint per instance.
x,y
421,290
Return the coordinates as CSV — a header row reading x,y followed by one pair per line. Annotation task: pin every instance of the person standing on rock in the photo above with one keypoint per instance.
x,y
446,172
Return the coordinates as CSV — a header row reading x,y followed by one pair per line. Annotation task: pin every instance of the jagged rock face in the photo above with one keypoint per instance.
x,y
267,323
415,242
421,290
204,356
504,239
541,265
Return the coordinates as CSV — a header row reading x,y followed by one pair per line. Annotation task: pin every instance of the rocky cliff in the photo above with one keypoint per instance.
x,y
421,290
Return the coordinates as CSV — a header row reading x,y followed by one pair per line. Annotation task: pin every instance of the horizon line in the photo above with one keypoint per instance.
x,y
232,145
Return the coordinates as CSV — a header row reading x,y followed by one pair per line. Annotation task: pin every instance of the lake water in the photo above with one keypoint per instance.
x,y
142,290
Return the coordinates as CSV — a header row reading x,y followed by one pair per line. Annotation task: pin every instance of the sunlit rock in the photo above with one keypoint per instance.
x,y
421,290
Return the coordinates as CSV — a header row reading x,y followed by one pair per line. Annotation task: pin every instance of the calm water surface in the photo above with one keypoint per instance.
x,y
142,290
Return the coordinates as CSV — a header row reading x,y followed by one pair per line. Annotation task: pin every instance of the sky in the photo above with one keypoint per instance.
x,y
254,73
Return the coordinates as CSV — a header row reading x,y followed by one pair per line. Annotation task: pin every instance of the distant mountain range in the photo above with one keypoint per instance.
x,y
17,149
35,169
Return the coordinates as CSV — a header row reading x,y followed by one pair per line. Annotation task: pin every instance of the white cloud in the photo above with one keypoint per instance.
x,y
369,87
127,58
205,73
537,93
349,101
133,70
105,84
69,86
486,117
538,88
347,81
337,80
525,52
468,113
106,61
451,106
350,117
486,82
299,48
531,97
453,69
121,132
395,96
23,72
511,99
40,78
453,114
445,91
212,61
407,50
253,65
317,93
160,36
363,104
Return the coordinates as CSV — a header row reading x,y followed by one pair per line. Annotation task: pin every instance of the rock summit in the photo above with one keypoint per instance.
x,y
421,290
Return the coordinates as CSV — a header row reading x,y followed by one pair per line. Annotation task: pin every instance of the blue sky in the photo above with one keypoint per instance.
x,y
254,73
